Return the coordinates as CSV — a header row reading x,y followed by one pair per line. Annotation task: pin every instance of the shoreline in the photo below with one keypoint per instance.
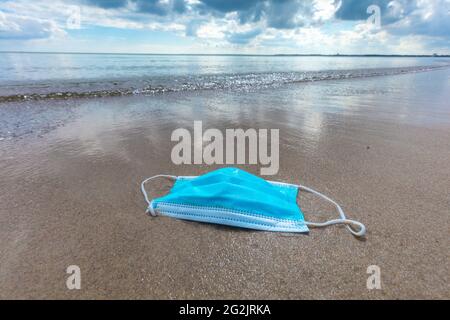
x,y
112,89
72,196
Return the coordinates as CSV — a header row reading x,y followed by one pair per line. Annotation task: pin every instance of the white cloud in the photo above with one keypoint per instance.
x,y
211,30
22,27
310,26
324,9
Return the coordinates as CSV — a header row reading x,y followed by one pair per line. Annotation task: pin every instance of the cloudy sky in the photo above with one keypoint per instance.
x,y
227,26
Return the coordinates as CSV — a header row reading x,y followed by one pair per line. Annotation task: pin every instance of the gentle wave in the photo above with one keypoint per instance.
x,y
152,86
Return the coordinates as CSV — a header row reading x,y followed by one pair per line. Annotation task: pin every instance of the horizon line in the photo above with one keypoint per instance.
x,y
238,54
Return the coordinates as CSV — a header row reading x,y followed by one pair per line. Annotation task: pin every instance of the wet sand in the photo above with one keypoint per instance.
x,y
69,194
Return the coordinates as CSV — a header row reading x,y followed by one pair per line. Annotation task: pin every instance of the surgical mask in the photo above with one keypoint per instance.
x,y
234,197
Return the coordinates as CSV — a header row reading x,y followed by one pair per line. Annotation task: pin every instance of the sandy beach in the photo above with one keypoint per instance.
x,y
69,194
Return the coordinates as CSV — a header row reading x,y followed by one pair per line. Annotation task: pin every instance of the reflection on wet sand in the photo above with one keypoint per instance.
x,y
72,196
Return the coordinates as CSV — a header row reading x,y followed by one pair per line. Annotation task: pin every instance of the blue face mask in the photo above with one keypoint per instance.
x,y
233,197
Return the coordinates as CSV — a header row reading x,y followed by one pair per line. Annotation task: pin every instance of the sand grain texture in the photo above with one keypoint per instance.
x,y
71,195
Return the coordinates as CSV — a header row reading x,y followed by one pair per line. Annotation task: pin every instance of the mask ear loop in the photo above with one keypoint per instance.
x,y
150,208
360,230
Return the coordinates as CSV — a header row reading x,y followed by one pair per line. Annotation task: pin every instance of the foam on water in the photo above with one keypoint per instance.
x,y
69,89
